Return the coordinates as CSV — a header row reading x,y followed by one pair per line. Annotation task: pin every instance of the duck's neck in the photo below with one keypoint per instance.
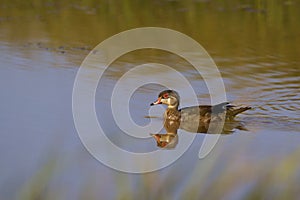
x,y
172,114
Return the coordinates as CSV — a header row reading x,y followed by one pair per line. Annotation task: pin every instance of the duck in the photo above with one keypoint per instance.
x,y
196,118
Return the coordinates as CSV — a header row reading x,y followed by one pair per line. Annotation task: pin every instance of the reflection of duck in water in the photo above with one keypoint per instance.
x,y
196,118
168,140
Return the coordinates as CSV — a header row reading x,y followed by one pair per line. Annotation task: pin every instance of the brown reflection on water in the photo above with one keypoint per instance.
x,y
169,140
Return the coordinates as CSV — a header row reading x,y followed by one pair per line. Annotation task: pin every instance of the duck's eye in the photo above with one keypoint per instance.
x,y
165,96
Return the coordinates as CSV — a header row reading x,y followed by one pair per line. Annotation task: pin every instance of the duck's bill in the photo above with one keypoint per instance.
x,y
156,136
156,102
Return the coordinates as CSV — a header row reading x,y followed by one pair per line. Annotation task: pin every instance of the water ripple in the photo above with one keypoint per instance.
x,y
270,85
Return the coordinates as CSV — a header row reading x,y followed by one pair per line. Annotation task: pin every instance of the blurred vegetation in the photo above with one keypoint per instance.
x,y
268,179
266,27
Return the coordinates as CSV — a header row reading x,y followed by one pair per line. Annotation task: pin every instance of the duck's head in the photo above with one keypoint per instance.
x,y
168,97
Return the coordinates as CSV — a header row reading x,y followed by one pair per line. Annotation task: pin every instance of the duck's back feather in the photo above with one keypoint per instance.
x,y
207,110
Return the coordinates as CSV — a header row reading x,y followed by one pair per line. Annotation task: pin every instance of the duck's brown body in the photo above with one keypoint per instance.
x,y
196,116
207,112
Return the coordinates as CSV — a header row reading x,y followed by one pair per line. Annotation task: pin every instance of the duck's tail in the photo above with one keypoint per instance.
x,y
232,111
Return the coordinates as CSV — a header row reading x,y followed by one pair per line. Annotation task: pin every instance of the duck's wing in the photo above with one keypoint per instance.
x,y
215,109
205,110
219,108
231,110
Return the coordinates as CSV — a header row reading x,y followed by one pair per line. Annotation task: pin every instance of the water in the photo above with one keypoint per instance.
x,y
42,45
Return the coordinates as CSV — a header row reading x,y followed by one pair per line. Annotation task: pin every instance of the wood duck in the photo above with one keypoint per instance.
x,y
195,118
